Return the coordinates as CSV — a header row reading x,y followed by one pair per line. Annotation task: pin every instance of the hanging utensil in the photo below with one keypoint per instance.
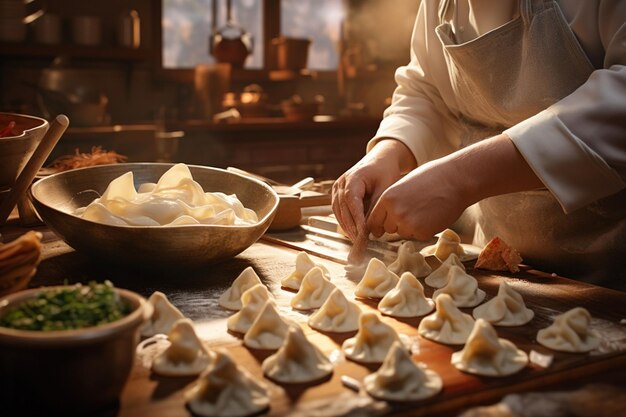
x,y
231,44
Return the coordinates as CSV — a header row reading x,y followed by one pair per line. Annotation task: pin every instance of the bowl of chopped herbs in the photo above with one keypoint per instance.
x,y
68,350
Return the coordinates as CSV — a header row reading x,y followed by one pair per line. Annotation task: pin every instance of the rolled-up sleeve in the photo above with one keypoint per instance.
x,y
413,117
577,146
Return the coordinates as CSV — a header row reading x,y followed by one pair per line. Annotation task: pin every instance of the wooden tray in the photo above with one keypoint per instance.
x,y
547,295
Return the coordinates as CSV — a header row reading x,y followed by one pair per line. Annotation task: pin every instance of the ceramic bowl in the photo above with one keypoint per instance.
x,y
16,150
69,372
56,197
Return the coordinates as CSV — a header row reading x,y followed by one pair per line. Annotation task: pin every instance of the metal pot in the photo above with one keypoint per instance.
x,y
289,53
72,91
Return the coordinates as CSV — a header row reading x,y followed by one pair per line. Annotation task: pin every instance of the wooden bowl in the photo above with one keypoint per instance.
x,y
56,197
16,150
68,372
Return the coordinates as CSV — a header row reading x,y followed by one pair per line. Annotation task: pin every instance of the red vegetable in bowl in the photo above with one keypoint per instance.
x,y
7,130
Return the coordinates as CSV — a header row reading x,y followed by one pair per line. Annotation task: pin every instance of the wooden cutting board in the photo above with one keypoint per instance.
x,y
547,295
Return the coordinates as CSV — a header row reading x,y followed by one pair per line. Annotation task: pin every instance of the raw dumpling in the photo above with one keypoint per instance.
x,y
449,242
377,280
463,288
186,355
372,341
447,324
303,265
401,379
505,309
439,277
407,299
252,301
226,390
410,260
337,314
570,332
268,331
487,355
314,290
297,361
164,315
231,299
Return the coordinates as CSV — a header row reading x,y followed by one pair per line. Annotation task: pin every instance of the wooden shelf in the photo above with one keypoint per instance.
x,y
24,50
243,125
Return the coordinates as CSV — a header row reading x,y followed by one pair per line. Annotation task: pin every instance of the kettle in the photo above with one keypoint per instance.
x,y
230,44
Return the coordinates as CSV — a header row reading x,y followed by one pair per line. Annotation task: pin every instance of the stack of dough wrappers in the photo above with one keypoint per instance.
x,y
18,262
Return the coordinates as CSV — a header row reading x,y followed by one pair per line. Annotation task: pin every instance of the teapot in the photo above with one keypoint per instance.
x,y
230,44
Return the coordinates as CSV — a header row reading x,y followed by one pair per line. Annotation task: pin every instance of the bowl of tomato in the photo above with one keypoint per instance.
x,y
19,136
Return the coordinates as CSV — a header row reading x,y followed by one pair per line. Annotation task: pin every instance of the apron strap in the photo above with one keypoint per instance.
x,y
528,8
443,9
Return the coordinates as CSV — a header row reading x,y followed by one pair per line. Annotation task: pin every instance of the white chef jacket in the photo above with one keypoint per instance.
x,y
576,146
569,124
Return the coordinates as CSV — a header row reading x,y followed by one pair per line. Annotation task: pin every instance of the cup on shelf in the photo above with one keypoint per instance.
x,y
47,29
87,30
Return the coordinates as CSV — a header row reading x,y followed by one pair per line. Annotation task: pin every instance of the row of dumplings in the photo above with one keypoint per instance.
x,y
298,360
223,388
447,325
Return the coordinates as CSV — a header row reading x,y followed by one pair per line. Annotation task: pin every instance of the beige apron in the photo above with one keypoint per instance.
x,y
508,75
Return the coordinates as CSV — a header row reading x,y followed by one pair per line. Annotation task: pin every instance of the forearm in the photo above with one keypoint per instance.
x,y
394,152
491,167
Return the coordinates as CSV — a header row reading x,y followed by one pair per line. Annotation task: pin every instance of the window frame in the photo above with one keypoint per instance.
x,y
271,10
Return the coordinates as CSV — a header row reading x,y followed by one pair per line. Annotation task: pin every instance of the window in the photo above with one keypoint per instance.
x,y
318,20
187,27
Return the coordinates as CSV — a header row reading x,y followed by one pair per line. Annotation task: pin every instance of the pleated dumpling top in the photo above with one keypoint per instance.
x,y
439,277
401,379
231,298
314,290
252,302
407,299
377,280
337,314
410,260
227,390
505,309
268,330
462,287
297,361
164,315
570,332
186,355
372,341
304,264
487,355
447,324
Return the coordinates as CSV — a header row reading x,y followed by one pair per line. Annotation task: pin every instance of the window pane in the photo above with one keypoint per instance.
x,y
187,27
318,20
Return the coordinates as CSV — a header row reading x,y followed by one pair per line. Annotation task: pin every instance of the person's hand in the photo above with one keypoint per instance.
x,y
433,196
421,204
366,181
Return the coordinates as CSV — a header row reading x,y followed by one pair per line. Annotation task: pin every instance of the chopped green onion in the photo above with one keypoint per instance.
x,y
74,307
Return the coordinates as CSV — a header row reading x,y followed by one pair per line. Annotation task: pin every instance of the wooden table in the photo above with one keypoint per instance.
x,y
196,295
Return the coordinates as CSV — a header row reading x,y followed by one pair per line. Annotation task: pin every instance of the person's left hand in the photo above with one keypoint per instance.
x,y
424,202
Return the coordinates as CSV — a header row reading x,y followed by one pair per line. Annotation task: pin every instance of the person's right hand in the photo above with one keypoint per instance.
x,y
362,184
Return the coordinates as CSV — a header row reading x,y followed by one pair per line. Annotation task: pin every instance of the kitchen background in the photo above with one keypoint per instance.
x,y
177,80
